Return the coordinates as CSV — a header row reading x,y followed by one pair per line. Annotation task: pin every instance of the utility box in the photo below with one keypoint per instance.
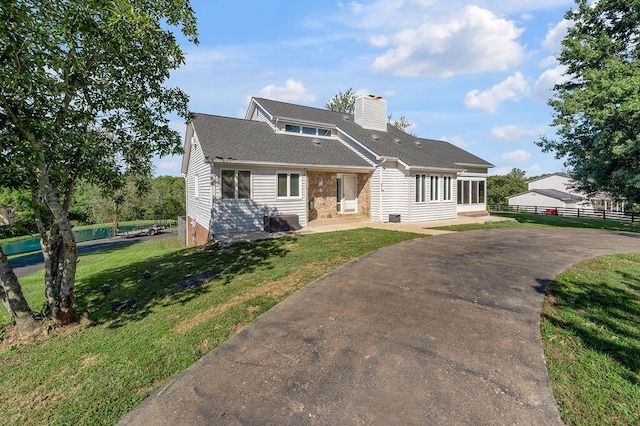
x,y
394,218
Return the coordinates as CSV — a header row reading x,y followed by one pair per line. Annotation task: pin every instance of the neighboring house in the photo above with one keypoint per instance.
x,y
301,163
6,215
557,190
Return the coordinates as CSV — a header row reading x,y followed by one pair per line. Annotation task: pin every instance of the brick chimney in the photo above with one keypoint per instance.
x,y
371,113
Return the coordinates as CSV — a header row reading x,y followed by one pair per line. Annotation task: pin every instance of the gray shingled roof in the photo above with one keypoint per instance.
x,y
552,193
431,153
562,174
233,139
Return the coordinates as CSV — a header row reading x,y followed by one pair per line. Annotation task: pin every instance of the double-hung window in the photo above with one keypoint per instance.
x,y
446,188
434,188
421,188
288,185
236,184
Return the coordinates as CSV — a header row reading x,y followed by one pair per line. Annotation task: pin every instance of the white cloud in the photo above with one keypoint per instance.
x,y
456,140
472,41
549,61
543,87
533,169
518,155
354,6
293,91
553,40
168,165
513,88
500,171
513,131
526,16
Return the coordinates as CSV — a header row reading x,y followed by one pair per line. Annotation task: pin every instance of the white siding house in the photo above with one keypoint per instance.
x,y
298,163
557,190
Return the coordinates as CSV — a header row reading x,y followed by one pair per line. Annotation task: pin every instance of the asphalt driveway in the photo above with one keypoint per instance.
x,y
439,330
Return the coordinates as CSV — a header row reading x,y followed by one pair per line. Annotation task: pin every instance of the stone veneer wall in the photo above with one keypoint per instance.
x,y
322,190
364,195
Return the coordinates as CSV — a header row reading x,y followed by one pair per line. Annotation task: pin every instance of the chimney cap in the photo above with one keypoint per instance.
x,y
375,97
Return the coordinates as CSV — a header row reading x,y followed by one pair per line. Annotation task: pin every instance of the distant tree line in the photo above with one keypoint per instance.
x,y
500,187
145,198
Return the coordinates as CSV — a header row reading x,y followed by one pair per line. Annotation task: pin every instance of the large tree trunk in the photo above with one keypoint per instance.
x,y
14,301
64,259
51,244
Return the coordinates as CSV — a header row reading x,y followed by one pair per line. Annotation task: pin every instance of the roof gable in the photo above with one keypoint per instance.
x,y
394,143
551,193
225,139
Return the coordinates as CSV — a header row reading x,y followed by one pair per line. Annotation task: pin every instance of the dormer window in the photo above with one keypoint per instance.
x,y
307,130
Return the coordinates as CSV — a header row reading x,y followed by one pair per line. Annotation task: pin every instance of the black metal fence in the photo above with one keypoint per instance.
x,y
630,217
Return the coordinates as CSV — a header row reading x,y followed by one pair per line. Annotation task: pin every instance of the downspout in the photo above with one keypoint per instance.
x,y
212,186
380,193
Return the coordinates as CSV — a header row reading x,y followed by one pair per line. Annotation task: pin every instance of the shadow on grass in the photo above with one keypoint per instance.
x,y
130,293
602,316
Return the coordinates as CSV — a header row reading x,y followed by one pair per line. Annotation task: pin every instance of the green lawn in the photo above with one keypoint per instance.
x,y
530,219
95,373
591,332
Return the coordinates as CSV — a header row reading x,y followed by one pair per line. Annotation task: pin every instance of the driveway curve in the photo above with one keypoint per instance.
x,y
437,330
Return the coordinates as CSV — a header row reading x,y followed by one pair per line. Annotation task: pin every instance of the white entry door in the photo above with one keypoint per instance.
x,y
349,194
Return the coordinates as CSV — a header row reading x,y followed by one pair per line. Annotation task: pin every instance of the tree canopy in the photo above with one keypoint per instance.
x,y
83,97
597,109
346,102
342,102
499,187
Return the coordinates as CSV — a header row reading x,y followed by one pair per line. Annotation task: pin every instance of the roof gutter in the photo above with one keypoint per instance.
x,y
488,165
435,169
230,161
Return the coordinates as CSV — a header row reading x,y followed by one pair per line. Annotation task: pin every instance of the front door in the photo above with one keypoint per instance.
x,y
349,201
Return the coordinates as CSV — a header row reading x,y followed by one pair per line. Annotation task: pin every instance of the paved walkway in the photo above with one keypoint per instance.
x,y
438,330
345,223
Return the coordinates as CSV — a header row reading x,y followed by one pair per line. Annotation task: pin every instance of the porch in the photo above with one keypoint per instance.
x,y
335,195
345,223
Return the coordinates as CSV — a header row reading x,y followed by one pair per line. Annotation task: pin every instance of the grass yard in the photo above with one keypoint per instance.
x,y
591,332
530,219
96,372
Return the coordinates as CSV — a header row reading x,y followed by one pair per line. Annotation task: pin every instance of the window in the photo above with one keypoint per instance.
x,y
236,184
307,130
291,128
288,185
446,188
196,186
433,189
421,188
244,184
471,192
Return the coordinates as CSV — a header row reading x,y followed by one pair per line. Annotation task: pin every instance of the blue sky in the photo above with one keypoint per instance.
x,y
475,73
